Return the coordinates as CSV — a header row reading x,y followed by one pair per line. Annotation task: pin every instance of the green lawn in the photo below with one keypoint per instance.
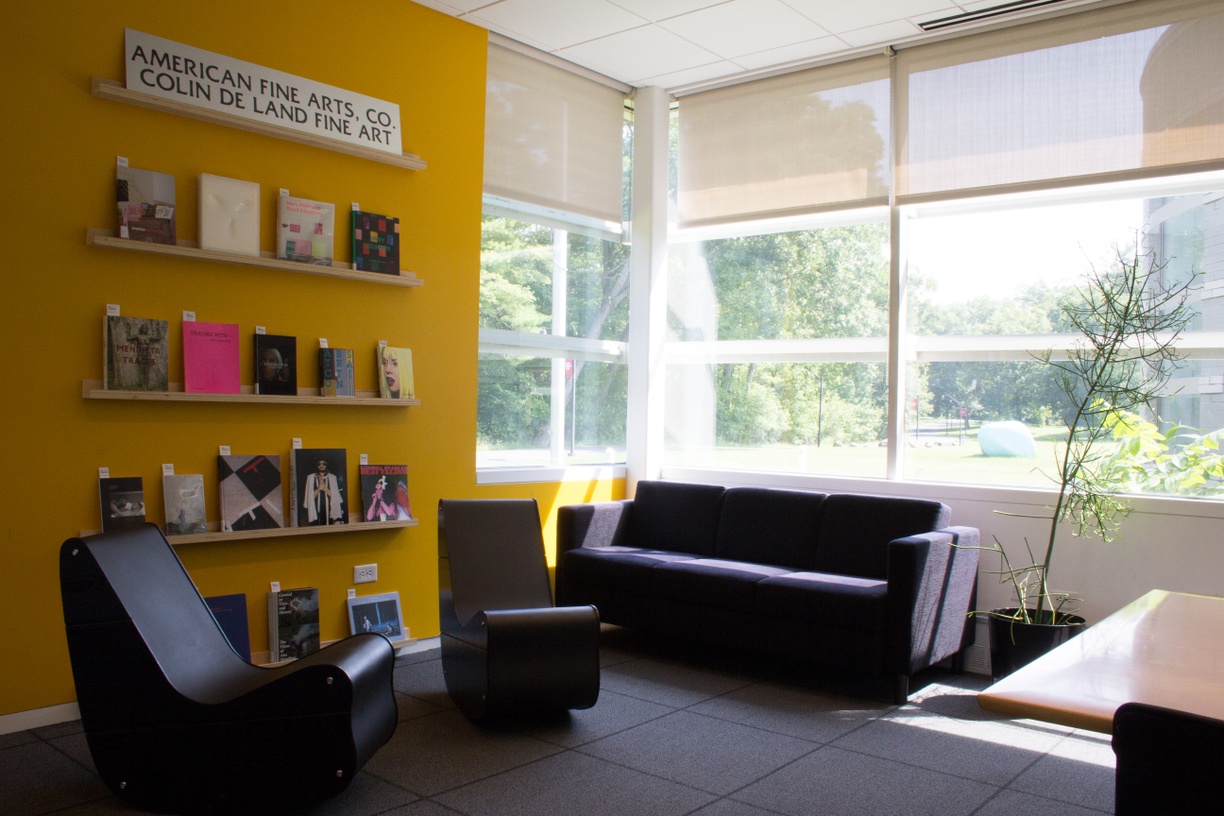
x,y
955,461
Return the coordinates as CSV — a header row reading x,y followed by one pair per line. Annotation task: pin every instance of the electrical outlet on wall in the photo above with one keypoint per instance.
x,y
364,574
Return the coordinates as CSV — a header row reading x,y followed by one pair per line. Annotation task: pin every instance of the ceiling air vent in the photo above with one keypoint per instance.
x,y
986,13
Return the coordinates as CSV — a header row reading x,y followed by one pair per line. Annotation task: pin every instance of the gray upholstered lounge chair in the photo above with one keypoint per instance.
x,y
505,648
177,721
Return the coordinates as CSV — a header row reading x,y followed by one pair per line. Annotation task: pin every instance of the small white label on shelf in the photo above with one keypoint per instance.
x,y
167,470
355,207
284,191
260,330
103,473
382,344
188,317
121,161
112,310
275,586
322,342
352,593
297,443
365,458
224,450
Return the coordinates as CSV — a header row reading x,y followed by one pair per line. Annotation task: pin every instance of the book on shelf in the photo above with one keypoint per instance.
x,y
305,230
229,215
384,492
275,364
145,199
211,358
231,614
250,488
336,372
379,614
137,353
293,623
395,379
183,494
319,485
123,504
376,243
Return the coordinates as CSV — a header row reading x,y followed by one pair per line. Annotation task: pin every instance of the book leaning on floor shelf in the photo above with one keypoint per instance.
x,y
293,623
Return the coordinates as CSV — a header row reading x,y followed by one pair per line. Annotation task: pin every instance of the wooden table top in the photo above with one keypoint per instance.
x,y
1165,649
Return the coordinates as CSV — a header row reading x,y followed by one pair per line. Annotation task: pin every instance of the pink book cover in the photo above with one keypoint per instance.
x,y
210,358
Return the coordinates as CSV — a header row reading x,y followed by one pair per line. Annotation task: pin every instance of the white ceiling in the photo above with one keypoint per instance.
x,y
677,43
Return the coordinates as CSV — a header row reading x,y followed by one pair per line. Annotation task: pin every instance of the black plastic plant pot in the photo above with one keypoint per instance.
x,y
1014,643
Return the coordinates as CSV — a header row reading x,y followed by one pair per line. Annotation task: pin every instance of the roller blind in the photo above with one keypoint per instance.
x,y
552,138
1125,90
787,145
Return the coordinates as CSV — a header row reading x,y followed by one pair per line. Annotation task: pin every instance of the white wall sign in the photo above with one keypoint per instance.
x,y
192,76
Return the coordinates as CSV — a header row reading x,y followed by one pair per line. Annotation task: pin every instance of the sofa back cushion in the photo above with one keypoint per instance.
x,y
769,526
676,516
855,531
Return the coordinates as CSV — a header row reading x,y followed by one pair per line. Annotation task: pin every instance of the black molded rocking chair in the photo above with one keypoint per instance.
x,y
506,649
177,722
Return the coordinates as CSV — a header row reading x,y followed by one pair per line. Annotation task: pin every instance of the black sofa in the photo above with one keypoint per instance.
x,y
871,584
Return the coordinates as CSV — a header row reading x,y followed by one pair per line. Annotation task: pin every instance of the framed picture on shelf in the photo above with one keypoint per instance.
x,y
377,613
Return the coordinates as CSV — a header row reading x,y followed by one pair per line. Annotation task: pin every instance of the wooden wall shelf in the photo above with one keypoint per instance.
x,y
215,534
107,239
92,389
109,89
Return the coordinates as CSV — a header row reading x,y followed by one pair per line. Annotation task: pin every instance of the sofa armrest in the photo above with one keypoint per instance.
x,y
931,582
596,524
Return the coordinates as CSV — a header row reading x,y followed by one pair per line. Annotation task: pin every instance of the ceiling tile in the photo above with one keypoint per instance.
x,y
884,34
655,10
744,27
556,23
641,52
798,52
453,6
704,73
848,16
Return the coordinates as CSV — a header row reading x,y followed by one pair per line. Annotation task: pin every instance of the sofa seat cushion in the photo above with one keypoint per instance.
x,y
619,569
676,516
769,526
825,599
711,582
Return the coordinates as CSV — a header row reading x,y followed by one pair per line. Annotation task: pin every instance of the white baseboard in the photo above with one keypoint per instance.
x,y
54,715
39,717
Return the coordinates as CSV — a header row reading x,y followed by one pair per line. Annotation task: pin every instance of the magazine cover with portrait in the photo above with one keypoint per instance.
x,y
275,364
384,492
395,373
320,486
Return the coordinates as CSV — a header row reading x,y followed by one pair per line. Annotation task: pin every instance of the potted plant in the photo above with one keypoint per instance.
x,y
1128,320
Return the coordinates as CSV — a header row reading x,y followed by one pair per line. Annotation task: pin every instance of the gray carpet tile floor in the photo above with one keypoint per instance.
x,y
675,732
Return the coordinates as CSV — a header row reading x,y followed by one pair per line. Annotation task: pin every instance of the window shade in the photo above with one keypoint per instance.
x,y
787,145
552,138
1116,91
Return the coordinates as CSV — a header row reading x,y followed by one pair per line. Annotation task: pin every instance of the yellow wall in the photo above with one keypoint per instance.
x,y
60,145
